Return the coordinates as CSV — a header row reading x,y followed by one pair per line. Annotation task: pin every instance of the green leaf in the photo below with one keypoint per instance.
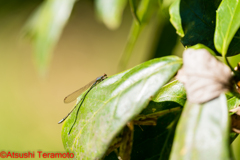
x,y
229,95
153,142
114,102
157,141
44,28
233,102
201,46
198,22
170,96
228,15
150,140
110,12
203,132
173,91
175,18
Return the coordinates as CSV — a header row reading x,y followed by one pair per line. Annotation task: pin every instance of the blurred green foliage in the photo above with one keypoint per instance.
x,y
44,24
45,27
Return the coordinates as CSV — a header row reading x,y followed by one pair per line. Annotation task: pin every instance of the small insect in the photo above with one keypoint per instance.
x,y
73,96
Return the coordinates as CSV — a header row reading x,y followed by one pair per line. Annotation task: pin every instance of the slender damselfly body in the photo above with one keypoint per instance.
x,y
73,96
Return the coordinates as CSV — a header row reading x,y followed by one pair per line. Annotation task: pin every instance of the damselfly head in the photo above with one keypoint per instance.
x,y
104,76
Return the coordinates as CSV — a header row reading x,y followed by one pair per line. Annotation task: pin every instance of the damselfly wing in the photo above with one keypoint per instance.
x,y
71,97
78,92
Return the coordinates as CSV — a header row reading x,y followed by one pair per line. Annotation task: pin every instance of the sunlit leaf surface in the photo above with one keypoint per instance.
x,y
154,142
110,12
45,26
114,102
173,91
228,22
175,18
233,103
203,132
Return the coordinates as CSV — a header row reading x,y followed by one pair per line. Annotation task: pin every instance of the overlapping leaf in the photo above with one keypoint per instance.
x,y
170,96
173,91
175,18
157,141
154,142
198,22
112,103
203,132
228,15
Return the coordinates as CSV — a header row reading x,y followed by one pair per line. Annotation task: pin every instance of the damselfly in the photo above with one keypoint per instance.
x,y
77,93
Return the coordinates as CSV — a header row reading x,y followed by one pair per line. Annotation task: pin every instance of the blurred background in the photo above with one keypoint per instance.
x,y
32,101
